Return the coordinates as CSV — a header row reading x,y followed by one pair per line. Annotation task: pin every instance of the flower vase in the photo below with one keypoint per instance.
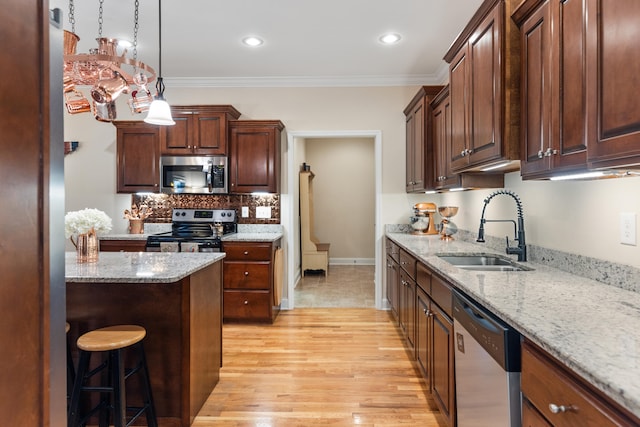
x,y
87,247
136,226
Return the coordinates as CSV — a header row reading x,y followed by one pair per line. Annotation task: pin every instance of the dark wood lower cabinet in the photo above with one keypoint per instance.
x,y
424,304
250,293
547,384
443,380
137,245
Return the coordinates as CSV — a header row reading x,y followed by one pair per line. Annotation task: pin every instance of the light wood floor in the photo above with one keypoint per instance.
x,y
318,367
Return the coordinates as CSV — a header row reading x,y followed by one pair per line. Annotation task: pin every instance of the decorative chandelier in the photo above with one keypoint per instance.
x,y
108,72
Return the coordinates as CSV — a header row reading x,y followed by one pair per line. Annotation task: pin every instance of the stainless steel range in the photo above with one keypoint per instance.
x,y
204,227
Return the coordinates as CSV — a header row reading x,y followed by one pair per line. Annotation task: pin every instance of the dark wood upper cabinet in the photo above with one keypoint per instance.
x,y
420,172
580,68
199,129
554,97
613,83
484,80
254,156
138,156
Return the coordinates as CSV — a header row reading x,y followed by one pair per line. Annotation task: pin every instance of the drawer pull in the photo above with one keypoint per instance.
x,y
557,409
246,252
246,302
246,273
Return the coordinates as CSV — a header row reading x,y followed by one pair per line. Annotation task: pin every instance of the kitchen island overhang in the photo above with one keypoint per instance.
x,y
177,298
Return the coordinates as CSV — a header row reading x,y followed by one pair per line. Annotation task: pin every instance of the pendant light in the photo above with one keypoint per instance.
x,y
159,110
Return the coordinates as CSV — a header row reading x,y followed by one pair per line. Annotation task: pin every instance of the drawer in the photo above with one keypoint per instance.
x,y
123,245
247,305
441,294
393,250
545,383
247,275
423,278
408,263
247,252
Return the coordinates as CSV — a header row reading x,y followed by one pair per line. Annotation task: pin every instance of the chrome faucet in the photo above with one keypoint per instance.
x,y
521,249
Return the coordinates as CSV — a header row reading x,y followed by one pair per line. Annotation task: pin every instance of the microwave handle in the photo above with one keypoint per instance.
x,y
209,170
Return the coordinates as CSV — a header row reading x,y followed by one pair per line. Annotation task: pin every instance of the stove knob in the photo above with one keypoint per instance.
x,y
184,213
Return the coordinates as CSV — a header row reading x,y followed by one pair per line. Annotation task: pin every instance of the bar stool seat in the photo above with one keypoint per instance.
x,y
112,340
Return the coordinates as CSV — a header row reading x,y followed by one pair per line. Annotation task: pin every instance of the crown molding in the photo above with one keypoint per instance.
x,y
307,81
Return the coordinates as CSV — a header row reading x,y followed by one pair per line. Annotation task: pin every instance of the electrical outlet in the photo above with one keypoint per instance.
x,y
628,228
263,212
245,212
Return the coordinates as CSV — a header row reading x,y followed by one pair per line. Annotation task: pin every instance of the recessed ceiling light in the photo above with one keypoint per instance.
x,y
252,41
390,38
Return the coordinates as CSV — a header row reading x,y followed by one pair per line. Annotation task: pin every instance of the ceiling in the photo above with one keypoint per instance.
x,y
306,43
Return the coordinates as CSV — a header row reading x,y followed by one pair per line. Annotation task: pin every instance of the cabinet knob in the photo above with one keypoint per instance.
x,y
550,152
463,153
246,252
540,154
246,273
557,409
246,302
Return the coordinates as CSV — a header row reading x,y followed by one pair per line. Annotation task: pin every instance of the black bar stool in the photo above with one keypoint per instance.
x,y
113,340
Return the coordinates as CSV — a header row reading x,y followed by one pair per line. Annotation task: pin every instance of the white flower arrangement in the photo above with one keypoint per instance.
x,y
85,220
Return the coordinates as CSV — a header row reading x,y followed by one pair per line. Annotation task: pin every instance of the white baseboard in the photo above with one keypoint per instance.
x,y
352,261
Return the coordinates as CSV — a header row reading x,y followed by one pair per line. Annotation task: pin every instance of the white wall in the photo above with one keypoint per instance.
x,y
580,217
344,196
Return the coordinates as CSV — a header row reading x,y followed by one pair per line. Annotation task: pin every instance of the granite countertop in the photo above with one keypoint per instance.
x,y
252,237
590,326
235,237
125,236
138,267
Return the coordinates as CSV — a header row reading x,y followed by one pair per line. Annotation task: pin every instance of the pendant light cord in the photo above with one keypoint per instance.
x,y
160,83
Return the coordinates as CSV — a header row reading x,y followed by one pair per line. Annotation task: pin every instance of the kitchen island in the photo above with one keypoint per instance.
x,y
591,327
177,298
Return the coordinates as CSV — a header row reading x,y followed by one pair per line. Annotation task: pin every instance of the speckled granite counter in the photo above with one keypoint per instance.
x,y
592,327
251,237
125,236
138,267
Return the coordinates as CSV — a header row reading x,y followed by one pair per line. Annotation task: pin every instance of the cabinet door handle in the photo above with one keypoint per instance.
x,y
558,409
550,152
540,154
463,153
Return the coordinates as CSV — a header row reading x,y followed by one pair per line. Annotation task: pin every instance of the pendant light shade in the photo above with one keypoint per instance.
x,y
159,110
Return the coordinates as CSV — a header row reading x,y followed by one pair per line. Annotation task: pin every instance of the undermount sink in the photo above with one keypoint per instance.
x,y
483,262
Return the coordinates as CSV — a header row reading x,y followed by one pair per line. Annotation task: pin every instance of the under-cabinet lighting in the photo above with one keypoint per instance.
x,y
496,166
430,192
585,175
457,189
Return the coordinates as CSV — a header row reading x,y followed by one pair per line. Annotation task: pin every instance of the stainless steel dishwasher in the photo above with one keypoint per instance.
x,y
487,367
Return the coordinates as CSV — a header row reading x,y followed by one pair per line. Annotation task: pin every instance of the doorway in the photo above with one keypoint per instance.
x,y
296,141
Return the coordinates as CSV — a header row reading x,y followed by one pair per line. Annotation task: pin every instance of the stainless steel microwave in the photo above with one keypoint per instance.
x,y
193,174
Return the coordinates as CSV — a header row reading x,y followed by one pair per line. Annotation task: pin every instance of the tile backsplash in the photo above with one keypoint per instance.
x,y
162,205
